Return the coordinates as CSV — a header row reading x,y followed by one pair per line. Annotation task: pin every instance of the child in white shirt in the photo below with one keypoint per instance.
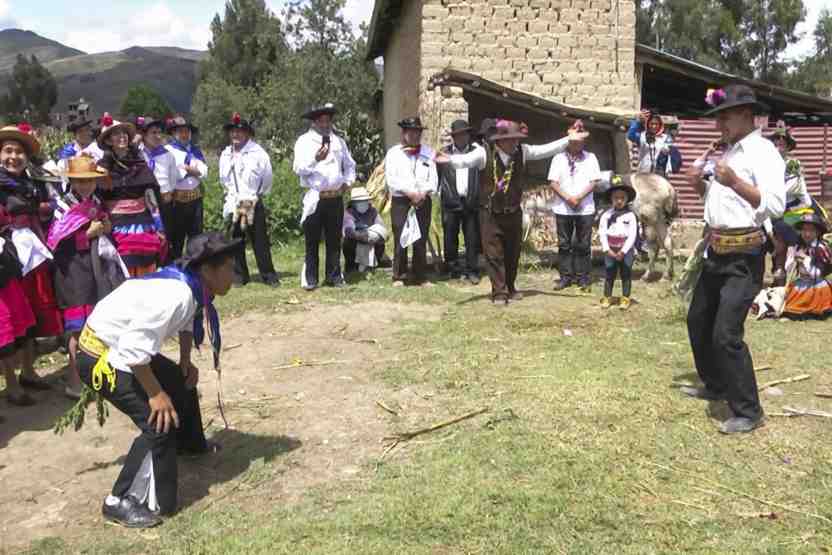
x,y
618,231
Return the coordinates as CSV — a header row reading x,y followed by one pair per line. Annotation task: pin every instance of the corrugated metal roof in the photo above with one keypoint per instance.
x,y
696,135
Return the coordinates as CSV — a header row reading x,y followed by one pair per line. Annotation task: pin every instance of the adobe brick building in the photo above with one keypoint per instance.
x,y
566,53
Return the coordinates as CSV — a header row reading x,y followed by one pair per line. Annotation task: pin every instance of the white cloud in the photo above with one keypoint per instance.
x,y
358,12
158,25
806,45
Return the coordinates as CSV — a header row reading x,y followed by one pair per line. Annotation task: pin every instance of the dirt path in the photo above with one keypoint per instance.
x,y
312,424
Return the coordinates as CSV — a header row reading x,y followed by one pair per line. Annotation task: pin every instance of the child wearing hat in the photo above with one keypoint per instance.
x,y
87,266
364,233
809,294
618,230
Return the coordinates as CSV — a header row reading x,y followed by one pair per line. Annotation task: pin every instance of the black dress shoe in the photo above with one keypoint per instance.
x,y
740,425
515,296
271,280
562,284
130,513
702,393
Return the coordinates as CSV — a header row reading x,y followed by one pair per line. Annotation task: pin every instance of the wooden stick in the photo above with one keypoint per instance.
x,y
824,394
404,436
740,493
683,503
313,363
763,367
799,378
388,409
234,346
807,412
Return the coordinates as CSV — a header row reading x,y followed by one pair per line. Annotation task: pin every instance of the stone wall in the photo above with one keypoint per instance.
x,y
576,52
401,70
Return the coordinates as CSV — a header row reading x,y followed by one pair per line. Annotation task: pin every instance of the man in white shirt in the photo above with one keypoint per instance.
x,y
191,168
742,188
120,358
246,176
460,194
326,169
503,176
160,161
84,144
410,172
573,176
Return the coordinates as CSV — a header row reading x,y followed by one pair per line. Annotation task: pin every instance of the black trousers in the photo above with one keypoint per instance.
x,y
574,248
398,216
258,236
614,268
502,242
716,325
186,222
130,398
349,248
328,220
469,223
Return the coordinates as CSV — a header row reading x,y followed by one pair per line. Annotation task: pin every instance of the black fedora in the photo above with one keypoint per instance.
x,y
325,109
206,247
143,123
460,126
487,128
412,123
76,125
178,122
237,122
733,96
618,184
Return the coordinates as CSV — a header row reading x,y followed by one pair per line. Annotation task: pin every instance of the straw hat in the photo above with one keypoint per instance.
x,y
358,194
83,167
22,133
109,125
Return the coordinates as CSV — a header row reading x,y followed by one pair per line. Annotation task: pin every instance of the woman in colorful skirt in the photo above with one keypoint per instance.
x,y
25,212
16,319
87,266
131,199
809,295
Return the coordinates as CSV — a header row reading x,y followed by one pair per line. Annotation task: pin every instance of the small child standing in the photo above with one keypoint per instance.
x,y
619,231
87,266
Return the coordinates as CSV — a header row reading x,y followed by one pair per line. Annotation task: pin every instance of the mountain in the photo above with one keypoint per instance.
x,y
16,41
103,79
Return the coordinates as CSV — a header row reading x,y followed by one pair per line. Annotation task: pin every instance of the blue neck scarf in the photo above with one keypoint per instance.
x,y
191,151
67,152
205,305
152,154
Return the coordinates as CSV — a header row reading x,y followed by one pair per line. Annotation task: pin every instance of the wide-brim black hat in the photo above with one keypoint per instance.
x,y
412,123
621,186
76,125
143,123
488,127
815,219
314,113
734,96
460,126
208,246
238,122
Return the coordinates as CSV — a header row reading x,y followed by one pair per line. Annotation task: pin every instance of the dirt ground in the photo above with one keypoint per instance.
x,y
312,424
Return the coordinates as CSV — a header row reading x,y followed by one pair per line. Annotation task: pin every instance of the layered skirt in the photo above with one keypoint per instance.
x,y
16,317
809,298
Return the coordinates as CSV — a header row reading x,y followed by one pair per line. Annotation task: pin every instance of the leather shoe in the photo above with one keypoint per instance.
x,y
562,284
130,513
473,279
515,296
701,393
740,425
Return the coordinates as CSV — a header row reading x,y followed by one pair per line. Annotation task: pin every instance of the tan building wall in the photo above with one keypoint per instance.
x,y
576,52
402,60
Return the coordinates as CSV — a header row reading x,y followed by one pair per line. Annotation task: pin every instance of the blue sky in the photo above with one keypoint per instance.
x,y
118,24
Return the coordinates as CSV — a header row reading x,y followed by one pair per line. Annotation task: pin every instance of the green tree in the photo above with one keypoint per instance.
x,y
32,92
768,27
814,73
247,44
144,100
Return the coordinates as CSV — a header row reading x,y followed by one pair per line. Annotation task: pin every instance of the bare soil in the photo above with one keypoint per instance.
x,y
293,427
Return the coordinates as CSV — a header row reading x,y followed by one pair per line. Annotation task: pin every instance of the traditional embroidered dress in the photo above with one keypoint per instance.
x,y
132,204
16,317
21,201
127,329
810,294
86,269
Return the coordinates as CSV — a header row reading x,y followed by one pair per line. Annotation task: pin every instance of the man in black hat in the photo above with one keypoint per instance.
x,y
186,207
161,162
411,177
742,187
120,358
460,194
326,169
246,176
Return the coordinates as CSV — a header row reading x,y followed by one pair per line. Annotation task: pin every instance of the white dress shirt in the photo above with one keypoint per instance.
x,y
164,168
245,174
136,319
461,175
756,161
331,173
625,226
184,180
586,171
478,158
410,174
